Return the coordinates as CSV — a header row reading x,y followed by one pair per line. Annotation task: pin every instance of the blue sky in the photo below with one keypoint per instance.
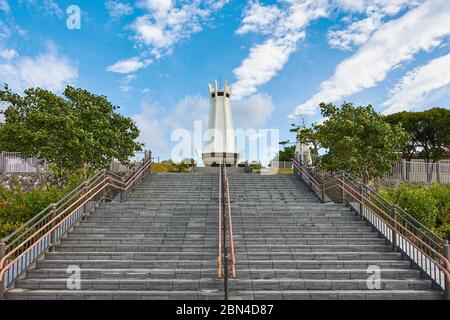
x,y
154,58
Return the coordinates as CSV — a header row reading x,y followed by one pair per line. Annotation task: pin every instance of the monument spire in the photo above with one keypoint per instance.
x,y
220,142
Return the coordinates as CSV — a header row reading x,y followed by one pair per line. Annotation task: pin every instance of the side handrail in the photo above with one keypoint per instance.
x,y
19,250
426,249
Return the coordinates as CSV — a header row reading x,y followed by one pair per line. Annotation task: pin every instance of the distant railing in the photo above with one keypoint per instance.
x,y
13,162
424,248
421,171
225,223
24,246
281,164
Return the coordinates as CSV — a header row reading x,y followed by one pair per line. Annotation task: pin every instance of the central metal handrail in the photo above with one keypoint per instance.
x,y
23,247
224,223
424,248
230,223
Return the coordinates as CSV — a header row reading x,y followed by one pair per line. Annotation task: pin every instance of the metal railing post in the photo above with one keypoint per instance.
x,y
361,199
446,254
2,254
394,229
53,233
343,187
2,162
322,188
85,189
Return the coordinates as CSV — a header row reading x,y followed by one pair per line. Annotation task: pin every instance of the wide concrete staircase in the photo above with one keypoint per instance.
x,y
162,244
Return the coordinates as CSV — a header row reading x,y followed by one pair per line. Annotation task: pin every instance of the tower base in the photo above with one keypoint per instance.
x,y
213,159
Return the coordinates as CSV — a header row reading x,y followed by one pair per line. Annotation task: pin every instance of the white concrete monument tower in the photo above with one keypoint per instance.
x,y
220,137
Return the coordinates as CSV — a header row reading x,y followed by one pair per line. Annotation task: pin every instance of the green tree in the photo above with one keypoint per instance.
x,y
429,132
358,140
286,154
74,131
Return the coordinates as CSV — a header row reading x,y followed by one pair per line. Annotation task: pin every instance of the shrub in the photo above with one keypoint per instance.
x,y
255,166
18,206
442,195
417,201
443,231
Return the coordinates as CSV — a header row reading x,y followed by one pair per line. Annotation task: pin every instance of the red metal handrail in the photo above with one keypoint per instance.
x,y
230,225
397,229
219,254
224,194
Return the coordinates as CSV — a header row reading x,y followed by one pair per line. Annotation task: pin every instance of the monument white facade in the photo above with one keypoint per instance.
x,y
303,150
220,144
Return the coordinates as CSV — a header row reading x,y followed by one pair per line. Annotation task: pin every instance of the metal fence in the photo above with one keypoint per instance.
x,y
421,171
12,162
281,164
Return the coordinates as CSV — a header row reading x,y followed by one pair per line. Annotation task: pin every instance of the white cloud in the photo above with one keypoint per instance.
x,y
388,7
166,24
285,28
252,112
259,18
263,63
187,110
125,83
416,86
358,32
48,7
128,65
49,70
394,43
151,130
4,6
156,123
8,54
355,34
117,9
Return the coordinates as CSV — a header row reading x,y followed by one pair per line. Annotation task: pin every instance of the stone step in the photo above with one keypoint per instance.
x,y
213,235
243,274
241,264
237,220
217,284
239,249
337,295
213,241
212,256
25,294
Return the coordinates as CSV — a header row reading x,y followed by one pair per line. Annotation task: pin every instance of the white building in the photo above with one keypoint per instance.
x,y
220,137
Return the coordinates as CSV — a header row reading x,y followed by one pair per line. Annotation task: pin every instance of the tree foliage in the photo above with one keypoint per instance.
x,y
358,140
429,132
73,131
286,154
